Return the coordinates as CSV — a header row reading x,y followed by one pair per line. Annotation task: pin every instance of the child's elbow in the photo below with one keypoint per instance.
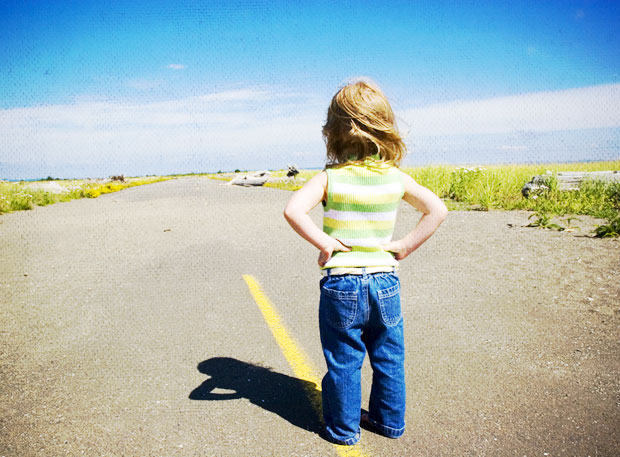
x,y
442,212
289,213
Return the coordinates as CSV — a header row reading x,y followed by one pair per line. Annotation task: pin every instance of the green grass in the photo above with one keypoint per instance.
x,y
468,188
280,182
499,187
19,196
288,183
611,229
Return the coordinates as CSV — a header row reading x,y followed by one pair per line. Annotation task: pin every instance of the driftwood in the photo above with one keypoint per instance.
x,y
255,179
571,180
292,171
568,180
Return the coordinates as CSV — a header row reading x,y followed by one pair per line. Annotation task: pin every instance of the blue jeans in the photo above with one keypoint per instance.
x,y
359,314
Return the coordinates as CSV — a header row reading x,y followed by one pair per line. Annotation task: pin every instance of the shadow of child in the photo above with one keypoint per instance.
x,y
288,397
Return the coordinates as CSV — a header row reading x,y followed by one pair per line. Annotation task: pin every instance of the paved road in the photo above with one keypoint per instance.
x,y
127,329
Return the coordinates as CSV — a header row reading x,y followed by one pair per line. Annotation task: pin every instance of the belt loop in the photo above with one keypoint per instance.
x,y
328,270
364,271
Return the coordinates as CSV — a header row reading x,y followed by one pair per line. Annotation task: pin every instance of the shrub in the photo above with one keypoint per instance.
x,y
609,230
92,193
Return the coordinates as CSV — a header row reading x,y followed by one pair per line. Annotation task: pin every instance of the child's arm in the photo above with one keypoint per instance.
x,y
434,212
296,213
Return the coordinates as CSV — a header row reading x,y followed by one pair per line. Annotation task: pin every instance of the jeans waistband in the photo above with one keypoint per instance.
x,y
357,271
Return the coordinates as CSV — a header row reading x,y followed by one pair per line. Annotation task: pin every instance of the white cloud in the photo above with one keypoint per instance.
x,y
176,66
250,128
584,108
245,123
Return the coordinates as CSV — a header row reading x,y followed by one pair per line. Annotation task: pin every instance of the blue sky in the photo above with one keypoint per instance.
x,y
100,88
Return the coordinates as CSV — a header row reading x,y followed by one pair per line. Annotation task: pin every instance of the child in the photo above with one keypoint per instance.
x,y
359,309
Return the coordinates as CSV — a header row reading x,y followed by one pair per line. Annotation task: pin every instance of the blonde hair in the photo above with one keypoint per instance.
x,y
360,123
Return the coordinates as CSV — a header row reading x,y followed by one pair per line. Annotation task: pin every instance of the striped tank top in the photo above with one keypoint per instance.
x,y
360,211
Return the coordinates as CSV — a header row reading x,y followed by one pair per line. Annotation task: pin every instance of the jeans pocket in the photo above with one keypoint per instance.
x,y
339,307
389,304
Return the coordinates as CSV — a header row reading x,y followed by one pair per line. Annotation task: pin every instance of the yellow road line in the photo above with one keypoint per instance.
x,y
296,358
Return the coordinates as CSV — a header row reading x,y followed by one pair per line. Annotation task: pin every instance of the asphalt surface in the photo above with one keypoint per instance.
x,y
127,329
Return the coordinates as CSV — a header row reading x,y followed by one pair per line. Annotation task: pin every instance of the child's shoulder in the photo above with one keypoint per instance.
x,y
369,165
367,173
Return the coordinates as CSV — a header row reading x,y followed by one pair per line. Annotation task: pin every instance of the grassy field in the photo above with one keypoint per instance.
x,y
499,187
16,196
465,188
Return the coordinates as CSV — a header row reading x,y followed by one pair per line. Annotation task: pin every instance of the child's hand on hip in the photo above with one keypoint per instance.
x,y
327,251
398,248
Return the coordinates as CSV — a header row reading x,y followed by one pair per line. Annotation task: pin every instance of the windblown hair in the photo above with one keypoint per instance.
x,y
360,123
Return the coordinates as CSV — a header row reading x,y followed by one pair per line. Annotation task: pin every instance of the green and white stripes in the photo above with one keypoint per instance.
x,y
362,201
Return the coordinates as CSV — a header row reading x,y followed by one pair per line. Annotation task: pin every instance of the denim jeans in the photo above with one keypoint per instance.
x,y
359,314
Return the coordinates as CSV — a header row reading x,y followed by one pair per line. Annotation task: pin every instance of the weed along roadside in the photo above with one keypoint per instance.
x,y
17,196
499,187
